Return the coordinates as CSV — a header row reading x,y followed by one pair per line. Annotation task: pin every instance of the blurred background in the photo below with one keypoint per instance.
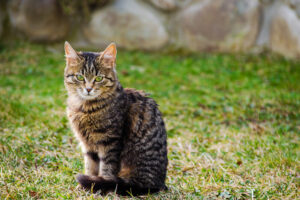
x,y
156,25
225,74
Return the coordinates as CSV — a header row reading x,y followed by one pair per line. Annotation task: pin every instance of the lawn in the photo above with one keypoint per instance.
x,y
233,123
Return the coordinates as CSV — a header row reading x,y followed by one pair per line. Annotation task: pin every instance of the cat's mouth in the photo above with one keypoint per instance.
x,y
87,96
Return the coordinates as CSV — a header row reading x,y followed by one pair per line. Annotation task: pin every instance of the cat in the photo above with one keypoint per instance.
x,y
121,131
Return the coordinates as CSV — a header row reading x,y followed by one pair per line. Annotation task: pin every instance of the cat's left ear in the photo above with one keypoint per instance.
x,y
72,57
109,55
70,52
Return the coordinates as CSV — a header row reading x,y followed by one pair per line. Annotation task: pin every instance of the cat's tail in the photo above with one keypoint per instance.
x,y
95,183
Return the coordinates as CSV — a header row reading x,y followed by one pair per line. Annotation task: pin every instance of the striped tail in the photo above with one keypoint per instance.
x,y
95,183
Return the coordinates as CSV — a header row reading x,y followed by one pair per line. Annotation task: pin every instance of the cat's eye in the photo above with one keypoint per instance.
x,y
98,78
80,77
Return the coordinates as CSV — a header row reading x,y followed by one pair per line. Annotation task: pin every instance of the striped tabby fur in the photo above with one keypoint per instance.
x,y
121,131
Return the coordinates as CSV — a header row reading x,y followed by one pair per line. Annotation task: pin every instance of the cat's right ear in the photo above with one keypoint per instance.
x,y
71,54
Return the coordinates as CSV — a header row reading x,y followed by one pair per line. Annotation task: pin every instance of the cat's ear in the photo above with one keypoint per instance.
x,y
109,55
70,53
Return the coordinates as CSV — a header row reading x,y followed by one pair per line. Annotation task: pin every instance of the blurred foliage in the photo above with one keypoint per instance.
x,y
80,8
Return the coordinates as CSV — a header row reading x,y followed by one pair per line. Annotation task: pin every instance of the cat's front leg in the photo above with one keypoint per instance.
x,y
110,161
91,162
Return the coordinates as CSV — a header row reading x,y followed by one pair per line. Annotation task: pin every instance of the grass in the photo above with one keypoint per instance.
x,y
233,124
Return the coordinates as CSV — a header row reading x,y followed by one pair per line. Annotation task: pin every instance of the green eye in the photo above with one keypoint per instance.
x,y
98,78
80,77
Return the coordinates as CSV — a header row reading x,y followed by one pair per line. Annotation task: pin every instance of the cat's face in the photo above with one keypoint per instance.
x,y
90,75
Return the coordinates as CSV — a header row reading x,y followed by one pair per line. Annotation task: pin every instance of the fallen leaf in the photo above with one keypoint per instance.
x,y
187,168
33,194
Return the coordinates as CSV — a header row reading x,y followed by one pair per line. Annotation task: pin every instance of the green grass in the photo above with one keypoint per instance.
x,y
233,124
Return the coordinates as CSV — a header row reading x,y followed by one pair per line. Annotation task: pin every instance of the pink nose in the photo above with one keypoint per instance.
x,y
88,89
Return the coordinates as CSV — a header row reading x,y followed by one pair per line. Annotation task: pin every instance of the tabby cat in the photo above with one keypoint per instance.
x,y
121,131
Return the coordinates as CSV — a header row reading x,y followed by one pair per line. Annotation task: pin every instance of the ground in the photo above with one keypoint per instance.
x,y
233,123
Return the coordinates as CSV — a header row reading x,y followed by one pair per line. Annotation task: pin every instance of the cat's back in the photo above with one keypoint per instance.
x,y
142,108
146,144
143,113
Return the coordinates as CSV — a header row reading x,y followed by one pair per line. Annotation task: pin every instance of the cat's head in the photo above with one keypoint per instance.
x,y
90,75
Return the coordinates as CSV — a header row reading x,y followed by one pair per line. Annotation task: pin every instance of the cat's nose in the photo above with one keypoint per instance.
x,y
88,89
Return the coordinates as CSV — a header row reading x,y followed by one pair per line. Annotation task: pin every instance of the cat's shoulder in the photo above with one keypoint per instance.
x,y
136,93
138,97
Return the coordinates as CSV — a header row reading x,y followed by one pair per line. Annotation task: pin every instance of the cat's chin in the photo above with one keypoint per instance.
x,y
88,97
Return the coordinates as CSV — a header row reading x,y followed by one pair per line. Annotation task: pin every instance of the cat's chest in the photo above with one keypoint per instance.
x,y
88,127
92,128
84,120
